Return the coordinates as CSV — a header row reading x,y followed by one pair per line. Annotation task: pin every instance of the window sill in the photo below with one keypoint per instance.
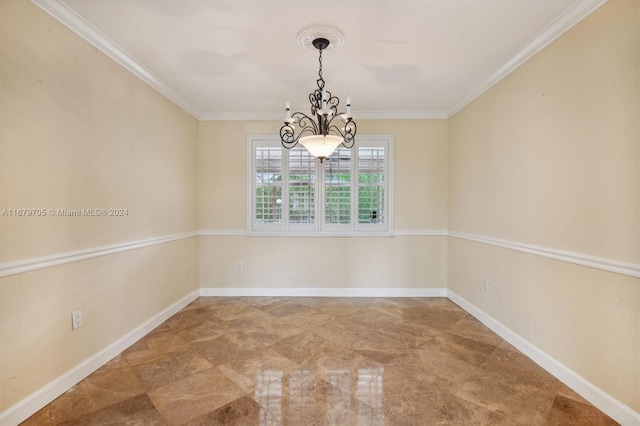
x,y
381,233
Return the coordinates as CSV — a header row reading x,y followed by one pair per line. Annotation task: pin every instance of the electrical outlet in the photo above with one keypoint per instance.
x,y
487,284
76,320
239,265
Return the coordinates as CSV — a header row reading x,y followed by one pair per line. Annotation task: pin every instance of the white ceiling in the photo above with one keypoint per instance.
x,y
224,59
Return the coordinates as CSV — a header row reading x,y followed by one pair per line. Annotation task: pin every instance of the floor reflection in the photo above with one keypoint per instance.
x,y
269,393
370,386
301,394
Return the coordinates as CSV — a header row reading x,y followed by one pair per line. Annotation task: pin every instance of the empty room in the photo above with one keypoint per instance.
x,y
337,213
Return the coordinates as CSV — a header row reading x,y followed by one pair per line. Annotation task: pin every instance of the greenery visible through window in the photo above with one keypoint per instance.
x,y
292,192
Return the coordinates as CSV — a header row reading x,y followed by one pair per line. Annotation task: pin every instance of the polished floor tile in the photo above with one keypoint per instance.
x,y
169,368
398,397
138,410
227,347
253,372
568,412
113,383
269,332
320,361
304,347
381,348
241,412
194,396
343,331
518,398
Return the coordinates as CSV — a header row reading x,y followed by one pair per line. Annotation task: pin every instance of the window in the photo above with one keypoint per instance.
x,y
292,193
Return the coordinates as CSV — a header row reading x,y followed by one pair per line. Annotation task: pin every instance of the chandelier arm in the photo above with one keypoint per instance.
x,y
348,132
287,136
304,121
332,104
317,103
340,116
306,130
289,139
306,125
315,99
302,118
333,126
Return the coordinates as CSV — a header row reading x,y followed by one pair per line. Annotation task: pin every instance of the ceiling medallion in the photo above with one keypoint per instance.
x,y
306,37
320,136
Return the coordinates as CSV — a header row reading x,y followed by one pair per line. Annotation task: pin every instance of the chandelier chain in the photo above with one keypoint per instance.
x,y
320,79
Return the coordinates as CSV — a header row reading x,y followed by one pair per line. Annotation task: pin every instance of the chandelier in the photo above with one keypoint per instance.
x,y
330,128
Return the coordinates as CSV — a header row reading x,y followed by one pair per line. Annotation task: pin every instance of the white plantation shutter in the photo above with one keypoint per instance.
x,y
292,193
302,186
371,185
337,187
268,185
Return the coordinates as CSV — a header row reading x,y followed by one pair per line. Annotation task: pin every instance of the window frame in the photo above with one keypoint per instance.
x,y
319,227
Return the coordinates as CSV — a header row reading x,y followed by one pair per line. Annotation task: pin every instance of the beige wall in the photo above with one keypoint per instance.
x,y
401,261
549,156
78,131
398,262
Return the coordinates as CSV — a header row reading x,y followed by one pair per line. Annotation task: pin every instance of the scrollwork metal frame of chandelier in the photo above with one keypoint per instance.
x,y
330,129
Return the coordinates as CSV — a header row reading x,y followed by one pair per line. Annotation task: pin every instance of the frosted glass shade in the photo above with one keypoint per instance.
x,y
321,146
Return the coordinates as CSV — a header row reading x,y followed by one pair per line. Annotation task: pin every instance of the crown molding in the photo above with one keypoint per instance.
x,y
576,13
361,115
241,116
402,115
63,13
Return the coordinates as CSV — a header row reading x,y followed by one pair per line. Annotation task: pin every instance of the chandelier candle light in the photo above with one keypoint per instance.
x,y
320,136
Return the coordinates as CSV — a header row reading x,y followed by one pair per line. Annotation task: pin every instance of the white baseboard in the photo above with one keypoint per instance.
x,y
599,398
33,403
323,292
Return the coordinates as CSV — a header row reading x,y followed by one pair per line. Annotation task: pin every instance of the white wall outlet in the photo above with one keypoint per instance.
x,y
239,265
487,284
76,320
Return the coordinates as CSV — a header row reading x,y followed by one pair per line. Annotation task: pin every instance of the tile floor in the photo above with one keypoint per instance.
x,y
325,361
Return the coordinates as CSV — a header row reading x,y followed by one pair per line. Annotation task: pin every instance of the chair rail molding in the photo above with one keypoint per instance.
x,y
35,263
610,265
32,264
